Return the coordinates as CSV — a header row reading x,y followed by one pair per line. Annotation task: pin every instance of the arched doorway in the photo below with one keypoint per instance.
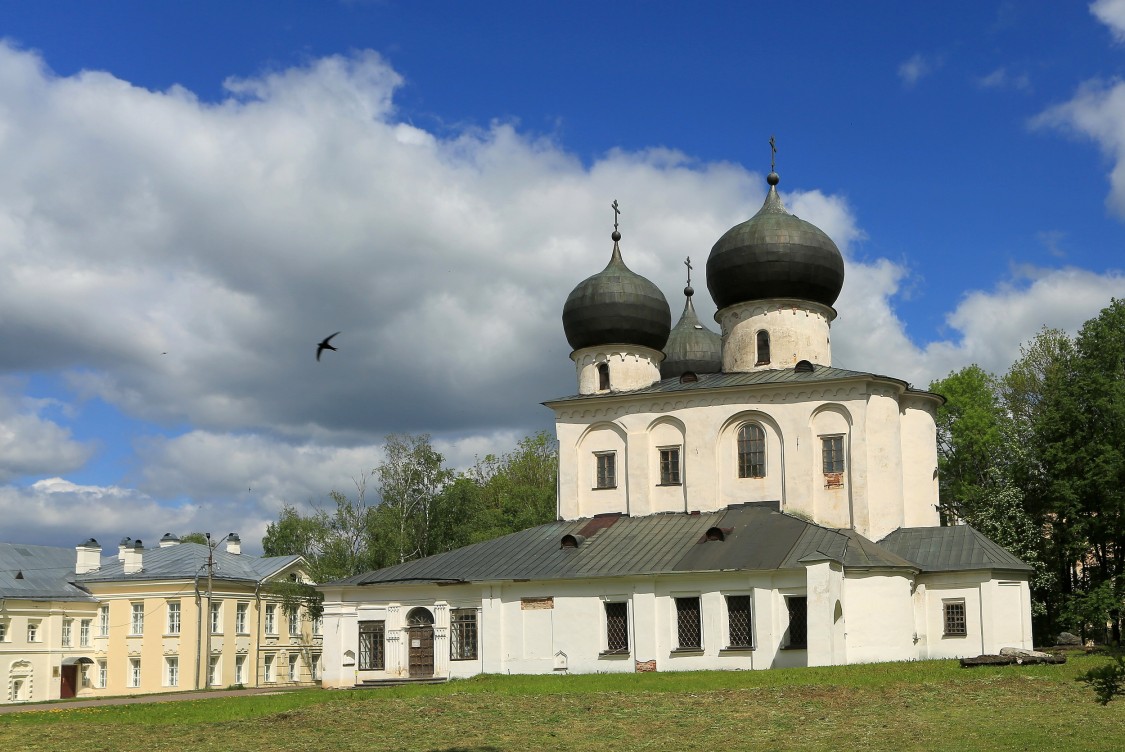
x,y
420,633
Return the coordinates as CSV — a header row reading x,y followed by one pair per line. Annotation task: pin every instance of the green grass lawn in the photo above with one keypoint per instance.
x,y
932,705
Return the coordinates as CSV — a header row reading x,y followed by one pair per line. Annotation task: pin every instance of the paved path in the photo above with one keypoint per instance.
x,y
137,699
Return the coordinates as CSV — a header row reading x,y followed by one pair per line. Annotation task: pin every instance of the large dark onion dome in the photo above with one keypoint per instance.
x,y
774,255
691,346
616,306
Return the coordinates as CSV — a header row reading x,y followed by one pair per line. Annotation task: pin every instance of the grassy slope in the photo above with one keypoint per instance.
x,y
904,706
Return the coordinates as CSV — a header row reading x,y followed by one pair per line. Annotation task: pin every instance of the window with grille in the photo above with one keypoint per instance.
x,y
689,625
955,623
670,466
617,627
740,625
833,451
751,451
607,469
463,629
371,634
798,606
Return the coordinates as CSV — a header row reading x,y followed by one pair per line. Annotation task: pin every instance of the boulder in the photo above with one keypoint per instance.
x,y
1067,639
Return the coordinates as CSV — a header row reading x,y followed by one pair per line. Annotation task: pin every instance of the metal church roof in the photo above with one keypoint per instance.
x,y
755,537
954,548
779,376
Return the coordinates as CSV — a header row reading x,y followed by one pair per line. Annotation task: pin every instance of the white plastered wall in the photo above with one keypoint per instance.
x,y
798,330
630,367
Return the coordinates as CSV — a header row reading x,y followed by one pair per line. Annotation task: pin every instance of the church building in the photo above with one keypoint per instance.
x,y
725,501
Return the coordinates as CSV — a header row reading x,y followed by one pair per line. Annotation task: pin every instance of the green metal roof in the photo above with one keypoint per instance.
x,y
955,548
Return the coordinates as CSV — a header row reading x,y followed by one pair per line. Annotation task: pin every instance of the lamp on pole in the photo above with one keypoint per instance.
x,y
203,659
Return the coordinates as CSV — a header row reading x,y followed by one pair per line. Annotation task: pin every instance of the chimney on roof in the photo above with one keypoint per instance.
x,y
133,557
234,544
89,556
125,543
169,540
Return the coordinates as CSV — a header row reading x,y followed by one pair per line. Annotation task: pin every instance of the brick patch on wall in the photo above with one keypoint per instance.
x,y
644,666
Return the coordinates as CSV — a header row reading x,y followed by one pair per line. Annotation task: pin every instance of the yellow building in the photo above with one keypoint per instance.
x,y
177,617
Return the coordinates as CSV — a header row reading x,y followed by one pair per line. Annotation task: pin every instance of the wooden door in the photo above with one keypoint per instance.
x,y
421,651
68,681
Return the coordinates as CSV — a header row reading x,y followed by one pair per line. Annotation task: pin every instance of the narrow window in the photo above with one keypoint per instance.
x,y
83,633
216,618
271,618
240,669
33,631
294,667
67,628
134,672
832,449
603,376
371,635
763,348
751,451
215,673
689,626
617,627
740,625
295,623
317,626
314,667
267,670
103,621
798,606
137,620
173,617
670,466
607,469
103,674
3,630
240,618
172,671
955,624
463,626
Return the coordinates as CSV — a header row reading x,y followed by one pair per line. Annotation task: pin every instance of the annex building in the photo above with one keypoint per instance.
x,y
725,501
75,623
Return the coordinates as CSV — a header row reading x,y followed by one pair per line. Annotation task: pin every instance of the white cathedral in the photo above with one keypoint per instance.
x,y
724,502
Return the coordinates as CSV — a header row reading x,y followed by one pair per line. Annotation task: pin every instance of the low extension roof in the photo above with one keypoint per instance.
x,y
947,549
755,537
777,376
39,573
186,560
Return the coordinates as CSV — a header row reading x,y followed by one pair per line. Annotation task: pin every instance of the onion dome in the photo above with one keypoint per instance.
x,y
691,346
616,306
774,255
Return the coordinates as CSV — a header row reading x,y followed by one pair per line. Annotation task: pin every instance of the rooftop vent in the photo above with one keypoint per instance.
x,y
688,377
715,534
803,366
571,541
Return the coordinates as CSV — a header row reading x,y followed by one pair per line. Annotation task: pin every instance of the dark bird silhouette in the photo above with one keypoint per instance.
x,y
325,346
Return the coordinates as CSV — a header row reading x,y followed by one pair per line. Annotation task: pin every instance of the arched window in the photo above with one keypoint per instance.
x,y
419,617
603,376
751,451
763,348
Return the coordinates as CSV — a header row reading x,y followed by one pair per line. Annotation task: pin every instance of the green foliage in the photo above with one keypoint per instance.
x,y
424,508
296,595
1107,681
194,538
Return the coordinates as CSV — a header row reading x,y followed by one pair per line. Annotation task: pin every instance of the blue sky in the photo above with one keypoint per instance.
x,y
195,193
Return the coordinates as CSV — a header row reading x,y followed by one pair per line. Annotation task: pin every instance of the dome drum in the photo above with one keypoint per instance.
x,y
795,330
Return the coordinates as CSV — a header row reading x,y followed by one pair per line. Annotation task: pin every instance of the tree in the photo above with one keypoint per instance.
x,y
411,479
195,537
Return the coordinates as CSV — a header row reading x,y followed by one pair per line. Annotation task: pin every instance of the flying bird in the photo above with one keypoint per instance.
x,y
324,346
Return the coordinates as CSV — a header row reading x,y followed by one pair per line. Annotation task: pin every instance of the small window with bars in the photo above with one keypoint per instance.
x,y
463,629
670,466
689,625
832,449
371,634
751,451
740,625
955,623
798,606
606,469
617,627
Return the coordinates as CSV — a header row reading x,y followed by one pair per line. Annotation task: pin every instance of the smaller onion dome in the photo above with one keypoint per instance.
x,y
691,346
616,306
774,255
